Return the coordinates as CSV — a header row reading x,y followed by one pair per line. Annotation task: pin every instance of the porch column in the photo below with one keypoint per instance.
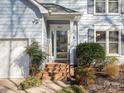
x,y
44,36
42,32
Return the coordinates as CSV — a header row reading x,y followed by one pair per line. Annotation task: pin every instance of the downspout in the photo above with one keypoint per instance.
x,y
76,61
68,62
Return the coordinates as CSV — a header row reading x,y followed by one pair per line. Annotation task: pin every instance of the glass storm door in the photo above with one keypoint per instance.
x,y
59,44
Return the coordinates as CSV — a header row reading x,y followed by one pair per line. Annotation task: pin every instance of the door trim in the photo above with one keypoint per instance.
x,y
54,28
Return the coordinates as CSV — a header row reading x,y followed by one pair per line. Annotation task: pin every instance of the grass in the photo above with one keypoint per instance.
x,y
72,89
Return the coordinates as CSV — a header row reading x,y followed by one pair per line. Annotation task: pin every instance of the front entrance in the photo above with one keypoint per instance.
x,y
59,40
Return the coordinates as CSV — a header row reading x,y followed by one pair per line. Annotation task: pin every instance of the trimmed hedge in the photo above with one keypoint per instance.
x,y
89,53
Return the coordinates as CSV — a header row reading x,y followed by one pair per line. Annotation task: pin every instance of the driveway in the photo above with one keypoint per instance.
x,y
10,86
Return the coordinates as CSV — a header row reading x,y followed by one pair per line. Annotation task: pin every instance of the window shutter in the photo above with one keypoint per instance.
x,y
90,6
122,6
90,35
122,42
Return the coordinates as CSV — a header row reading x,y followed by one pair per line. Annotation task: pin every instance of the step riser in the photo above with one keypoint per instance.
x,y
58,71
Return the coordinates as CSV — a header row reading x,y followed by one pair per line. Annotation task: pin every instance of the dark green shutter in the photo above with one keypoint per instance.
x,y
90,6
90,35
122,6
122,42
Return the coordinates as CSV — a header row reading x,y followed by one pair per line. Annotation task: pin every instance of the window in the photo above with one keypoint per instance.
x,y
109,40
100,6
101,38
106,6
113,6
113,42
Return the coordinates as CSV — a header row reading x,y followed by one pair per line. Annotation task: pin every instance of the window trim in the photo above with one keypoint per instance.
x,y
102,42
111,54
107,42
95,9
107,8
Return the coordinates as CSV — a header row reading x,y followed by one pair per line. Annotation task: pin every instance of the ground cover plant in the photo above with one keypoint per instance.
x,y
73,89
29,83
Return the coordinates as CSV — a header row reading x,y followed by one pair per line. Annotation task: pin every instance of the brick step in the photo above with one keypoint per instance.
x,y
122,68
56,71
59,68
56,65
55,76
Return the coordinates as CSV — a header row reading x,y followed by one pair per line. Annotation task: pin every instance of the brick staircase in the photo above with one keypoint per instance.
x,y
57,71
122,68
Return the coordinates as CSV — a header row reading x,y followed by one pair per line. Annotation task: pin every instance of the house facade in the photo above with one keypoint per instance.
x,y
58,26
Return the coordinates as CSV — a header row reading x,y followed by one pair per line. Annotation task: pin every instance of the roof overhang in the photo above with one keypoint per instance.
x,y
50,14
63,16
41,8
56,11
66,14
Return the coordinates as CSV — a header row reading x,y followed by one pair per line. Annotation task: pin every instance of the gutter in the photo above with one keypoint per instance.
x,y
72,14
42,9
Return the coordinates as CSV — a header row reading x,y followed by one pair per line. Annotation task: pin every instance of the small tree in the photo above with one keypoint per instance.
x,y
37,56
89,53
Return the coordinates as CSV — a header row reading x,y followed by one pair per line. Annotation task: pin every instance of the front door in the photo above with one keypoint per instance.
x,y
59,37
61,44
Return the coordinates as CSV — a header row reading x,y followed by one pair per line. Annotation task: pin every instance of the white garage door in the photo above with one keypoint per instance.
x,y
14,63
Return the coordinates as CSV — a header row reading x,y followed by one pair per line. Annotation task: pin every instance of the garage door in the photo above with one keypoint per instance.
x,y
14,63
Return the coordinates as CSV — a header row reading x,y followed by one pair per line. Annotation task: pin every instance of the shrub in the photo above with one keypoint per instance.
x,y
86,76
112,70
73,89
29,83
36,55
109,60
89,53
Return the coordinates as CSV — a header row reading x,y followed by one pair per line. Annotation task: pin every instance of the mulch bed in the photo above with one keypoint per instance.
x,y
107,85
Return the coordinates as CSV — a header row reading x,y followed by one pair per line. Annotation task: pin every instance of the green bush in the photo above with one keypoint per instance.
x,y
73,89
36,55
90,53
29,83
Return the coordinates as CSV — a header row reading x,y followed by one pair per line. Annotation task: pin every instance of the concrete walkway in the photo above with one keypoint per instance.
x,y
10,86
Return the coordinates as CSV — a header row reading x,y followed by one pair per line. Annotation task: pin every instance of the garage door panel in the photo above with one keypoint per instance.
x,y
14,63
4,58
19,59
